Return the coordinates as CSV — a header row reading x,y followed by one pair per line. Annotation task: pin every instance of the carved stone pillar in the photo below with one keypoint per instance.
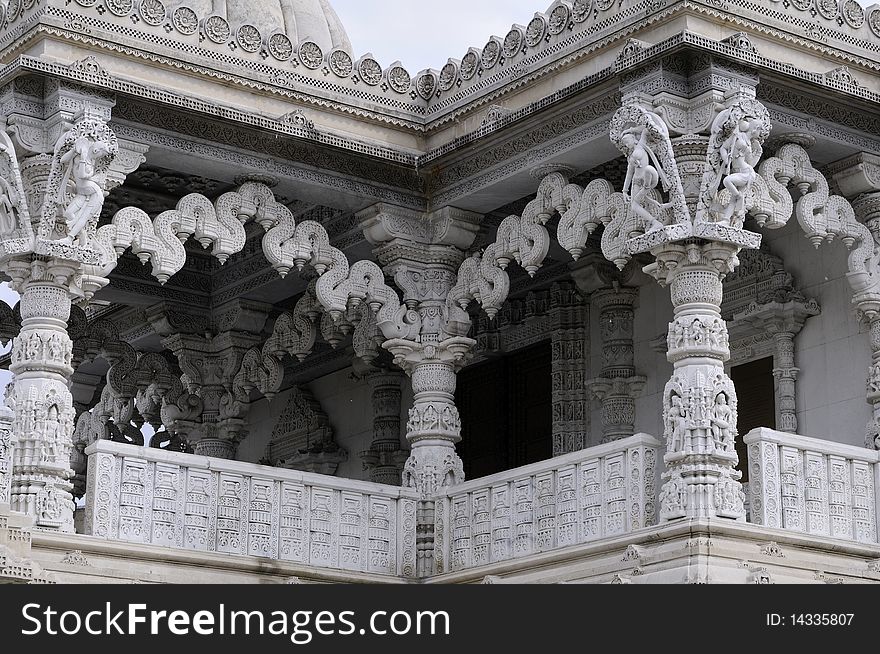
x,y
699,402
210,366
870,312
785,373
867,208
385,458
784,321
422,252
40,399
858,179
569,321
434,425
7,445
619,386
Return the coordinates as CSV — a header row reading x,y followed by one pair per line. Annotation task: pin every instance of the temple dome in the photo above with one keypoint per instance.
x,y
314,20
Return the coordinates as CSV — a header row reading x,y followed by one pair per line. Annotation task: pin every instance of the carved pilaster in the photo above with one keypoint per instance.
x,y
858,178
434,425
699,402
569,352
7,444
385,458
618,386
784,321
40,399
210,366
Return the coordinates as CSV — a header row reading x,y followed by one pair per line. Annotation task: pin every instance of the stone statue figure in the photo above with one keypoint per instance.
x,y
643,175
80,169
56,349
8,200
52,434
739,160
51,510
677,424
737,134
721,422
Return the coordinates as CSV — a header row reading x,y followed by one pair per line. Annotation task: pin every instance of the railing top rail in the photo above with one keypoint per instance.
x,y
597,452
762,434
248,469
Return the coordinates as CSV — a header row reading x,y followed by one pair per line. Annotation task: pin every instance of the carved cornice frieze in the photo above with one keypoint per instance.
x,y
291,153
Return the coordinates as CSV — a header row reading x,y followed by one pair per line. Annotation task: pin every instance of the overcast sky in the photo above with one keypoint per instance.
x,y
404,30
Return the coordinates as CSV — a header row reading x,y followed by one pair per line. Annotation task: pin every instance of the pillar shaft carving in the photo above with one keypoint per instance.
x,y
569,352
618,386
385,458
422,253
699,402
7,444
434,426
40,399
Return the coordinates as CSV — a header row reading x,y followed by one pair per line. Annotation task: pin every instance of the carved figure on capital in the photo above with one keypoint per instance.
x,y
644,139
722,424
873,384
735,149
673,497
15,219
9,199
82,159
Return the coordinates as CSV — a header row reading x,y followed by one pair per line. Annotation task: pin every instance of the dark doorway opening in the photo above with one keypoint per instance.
x,y
756,403
506,412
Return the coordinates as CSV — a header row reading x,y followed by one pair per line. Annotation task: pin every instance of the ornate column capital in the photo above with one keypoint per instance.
x,y
383,223
452,352
857,175
422,252
778,317
594,273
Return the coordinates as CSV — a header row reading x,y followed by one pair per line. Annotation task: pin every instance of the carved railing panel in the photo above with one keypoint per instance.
x,y
147,496
577,498
813,486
